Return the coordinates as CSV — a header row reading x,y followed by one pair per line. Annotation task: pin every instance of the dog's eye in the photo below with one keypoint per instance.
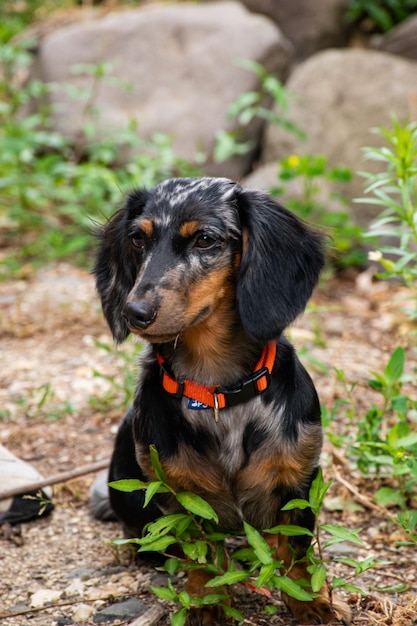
x,y
138,242
205,241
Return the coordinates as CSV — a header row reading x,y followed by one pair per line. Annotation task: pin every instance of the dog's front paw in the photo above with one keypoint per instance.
x,y
319,611
206,615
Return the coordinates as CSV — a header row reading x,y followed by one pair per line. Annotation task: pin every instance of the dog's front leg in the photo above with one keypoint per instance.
x,y
196,587
322,609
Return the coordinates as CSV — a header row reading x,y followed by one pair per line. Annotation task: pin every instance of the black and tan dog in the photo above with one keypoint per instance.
x,y
210,274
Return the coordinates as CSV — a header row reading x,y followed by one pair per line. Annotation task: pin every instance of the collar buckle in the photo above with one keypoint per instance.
x,y
246,389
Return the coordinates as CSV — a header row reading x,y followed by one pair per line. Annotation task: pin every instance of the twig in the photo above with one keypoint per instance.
x,y
362,499
151,617
62,477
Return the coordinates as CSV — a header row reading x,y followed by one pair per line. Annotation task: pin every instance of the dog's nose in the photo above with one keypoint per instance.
x,y
139,314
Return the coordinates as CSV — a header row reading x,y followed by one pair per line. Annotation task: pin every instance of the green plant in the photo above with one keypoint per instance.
x,y
314,173
408,521
395,189
206,547
380,15
54,190
255,104
121,386
385,443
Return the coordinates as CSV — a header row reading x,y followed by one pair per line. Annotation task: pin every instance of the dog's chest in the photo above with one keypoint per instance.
x,y
230,432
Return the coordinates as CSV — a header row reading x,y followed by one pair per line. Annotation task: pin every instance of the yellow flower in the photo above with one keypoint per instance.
x,y
293,160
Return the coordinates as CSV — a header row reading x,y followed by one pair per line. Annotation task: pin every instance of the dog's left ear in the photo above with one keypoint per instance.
x,y
281,262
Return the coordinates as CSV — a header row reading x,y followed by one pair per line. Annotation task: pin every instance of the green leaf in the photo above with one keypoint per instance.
x,y
158,545
185,599
179,617
265,574
164,593
317,492
386,496
343,534
270,609
124,542
292,588
296,504
213,598
152,489
128,485
289,530
258,543
230,611
395,367
156,464
165,523
229,578
349,587
197,505
171,566
318,576
196,551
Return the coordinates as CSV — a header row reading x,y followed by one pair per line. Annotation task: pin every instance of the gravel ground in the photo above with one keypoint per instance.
x,y
58,414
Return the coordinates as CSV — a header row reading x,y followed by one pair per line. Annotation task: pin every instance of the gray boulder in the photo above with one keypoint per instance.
x,y
310,26
181,63
338,97
401,39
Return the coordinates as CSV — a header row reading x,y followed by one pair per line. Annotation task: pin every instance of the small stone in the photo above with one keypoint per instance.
x,y
122,610
83,612
44,596
76,588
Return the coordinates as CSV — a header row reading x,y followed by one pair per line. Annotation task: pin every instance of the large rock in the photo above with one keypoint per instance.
x,y
401,40
309,25
181,62
338,97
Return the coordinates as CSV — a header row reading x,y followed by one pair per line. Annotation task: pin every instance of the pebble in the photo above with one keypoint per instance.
x,y
44,596
76,588
83,612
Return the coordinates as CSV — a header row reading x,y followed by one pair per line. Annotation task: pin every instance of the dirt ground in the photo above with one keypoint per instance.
x,y
60,403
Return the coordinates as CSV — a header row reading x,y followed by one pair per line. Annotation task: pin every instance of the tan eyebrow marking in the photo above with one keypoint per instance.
x,y
146,226
188,229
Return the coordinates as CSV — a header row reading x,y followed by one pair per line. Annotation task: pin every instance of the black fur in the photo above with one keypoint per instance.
x,y
208,272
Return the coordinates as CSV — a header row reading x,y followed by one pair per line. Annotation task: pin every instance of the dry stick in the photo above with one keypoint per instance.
x,y
362,499
150,614
62,477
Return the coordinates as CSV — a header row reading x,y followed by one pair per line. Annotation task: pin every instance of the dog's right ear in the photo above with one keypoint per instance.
x,y
115,267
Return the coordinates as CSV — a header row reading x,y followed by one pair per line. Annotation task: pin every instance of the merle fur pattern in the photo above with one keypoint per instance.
x,y
207,272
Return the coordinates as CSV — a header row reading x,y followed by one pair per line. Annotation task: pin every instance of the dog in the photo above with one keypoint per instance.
x,y
210,274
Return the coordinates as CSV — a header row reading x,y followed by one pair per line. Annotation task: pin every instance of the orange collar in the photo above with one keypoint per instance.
x,y
222,397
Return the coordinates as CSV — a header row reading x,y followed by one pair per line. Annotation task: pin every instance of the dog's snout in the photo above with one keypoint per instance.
x,y
139,314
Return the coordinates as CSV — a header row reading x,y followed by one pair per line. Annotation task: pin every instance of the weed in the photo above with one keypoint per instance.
x,y
380,15
54,190
408,521
255,104
206,547
312,204
385,444
121,386
395,189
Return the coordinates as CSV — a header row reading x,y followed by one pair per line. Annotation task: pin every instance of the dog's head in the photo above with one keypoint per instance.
x,y
173,253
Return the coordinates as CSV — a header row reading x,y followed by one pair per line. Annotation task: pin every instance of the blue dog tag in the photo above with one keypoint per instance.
x,y
195,405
